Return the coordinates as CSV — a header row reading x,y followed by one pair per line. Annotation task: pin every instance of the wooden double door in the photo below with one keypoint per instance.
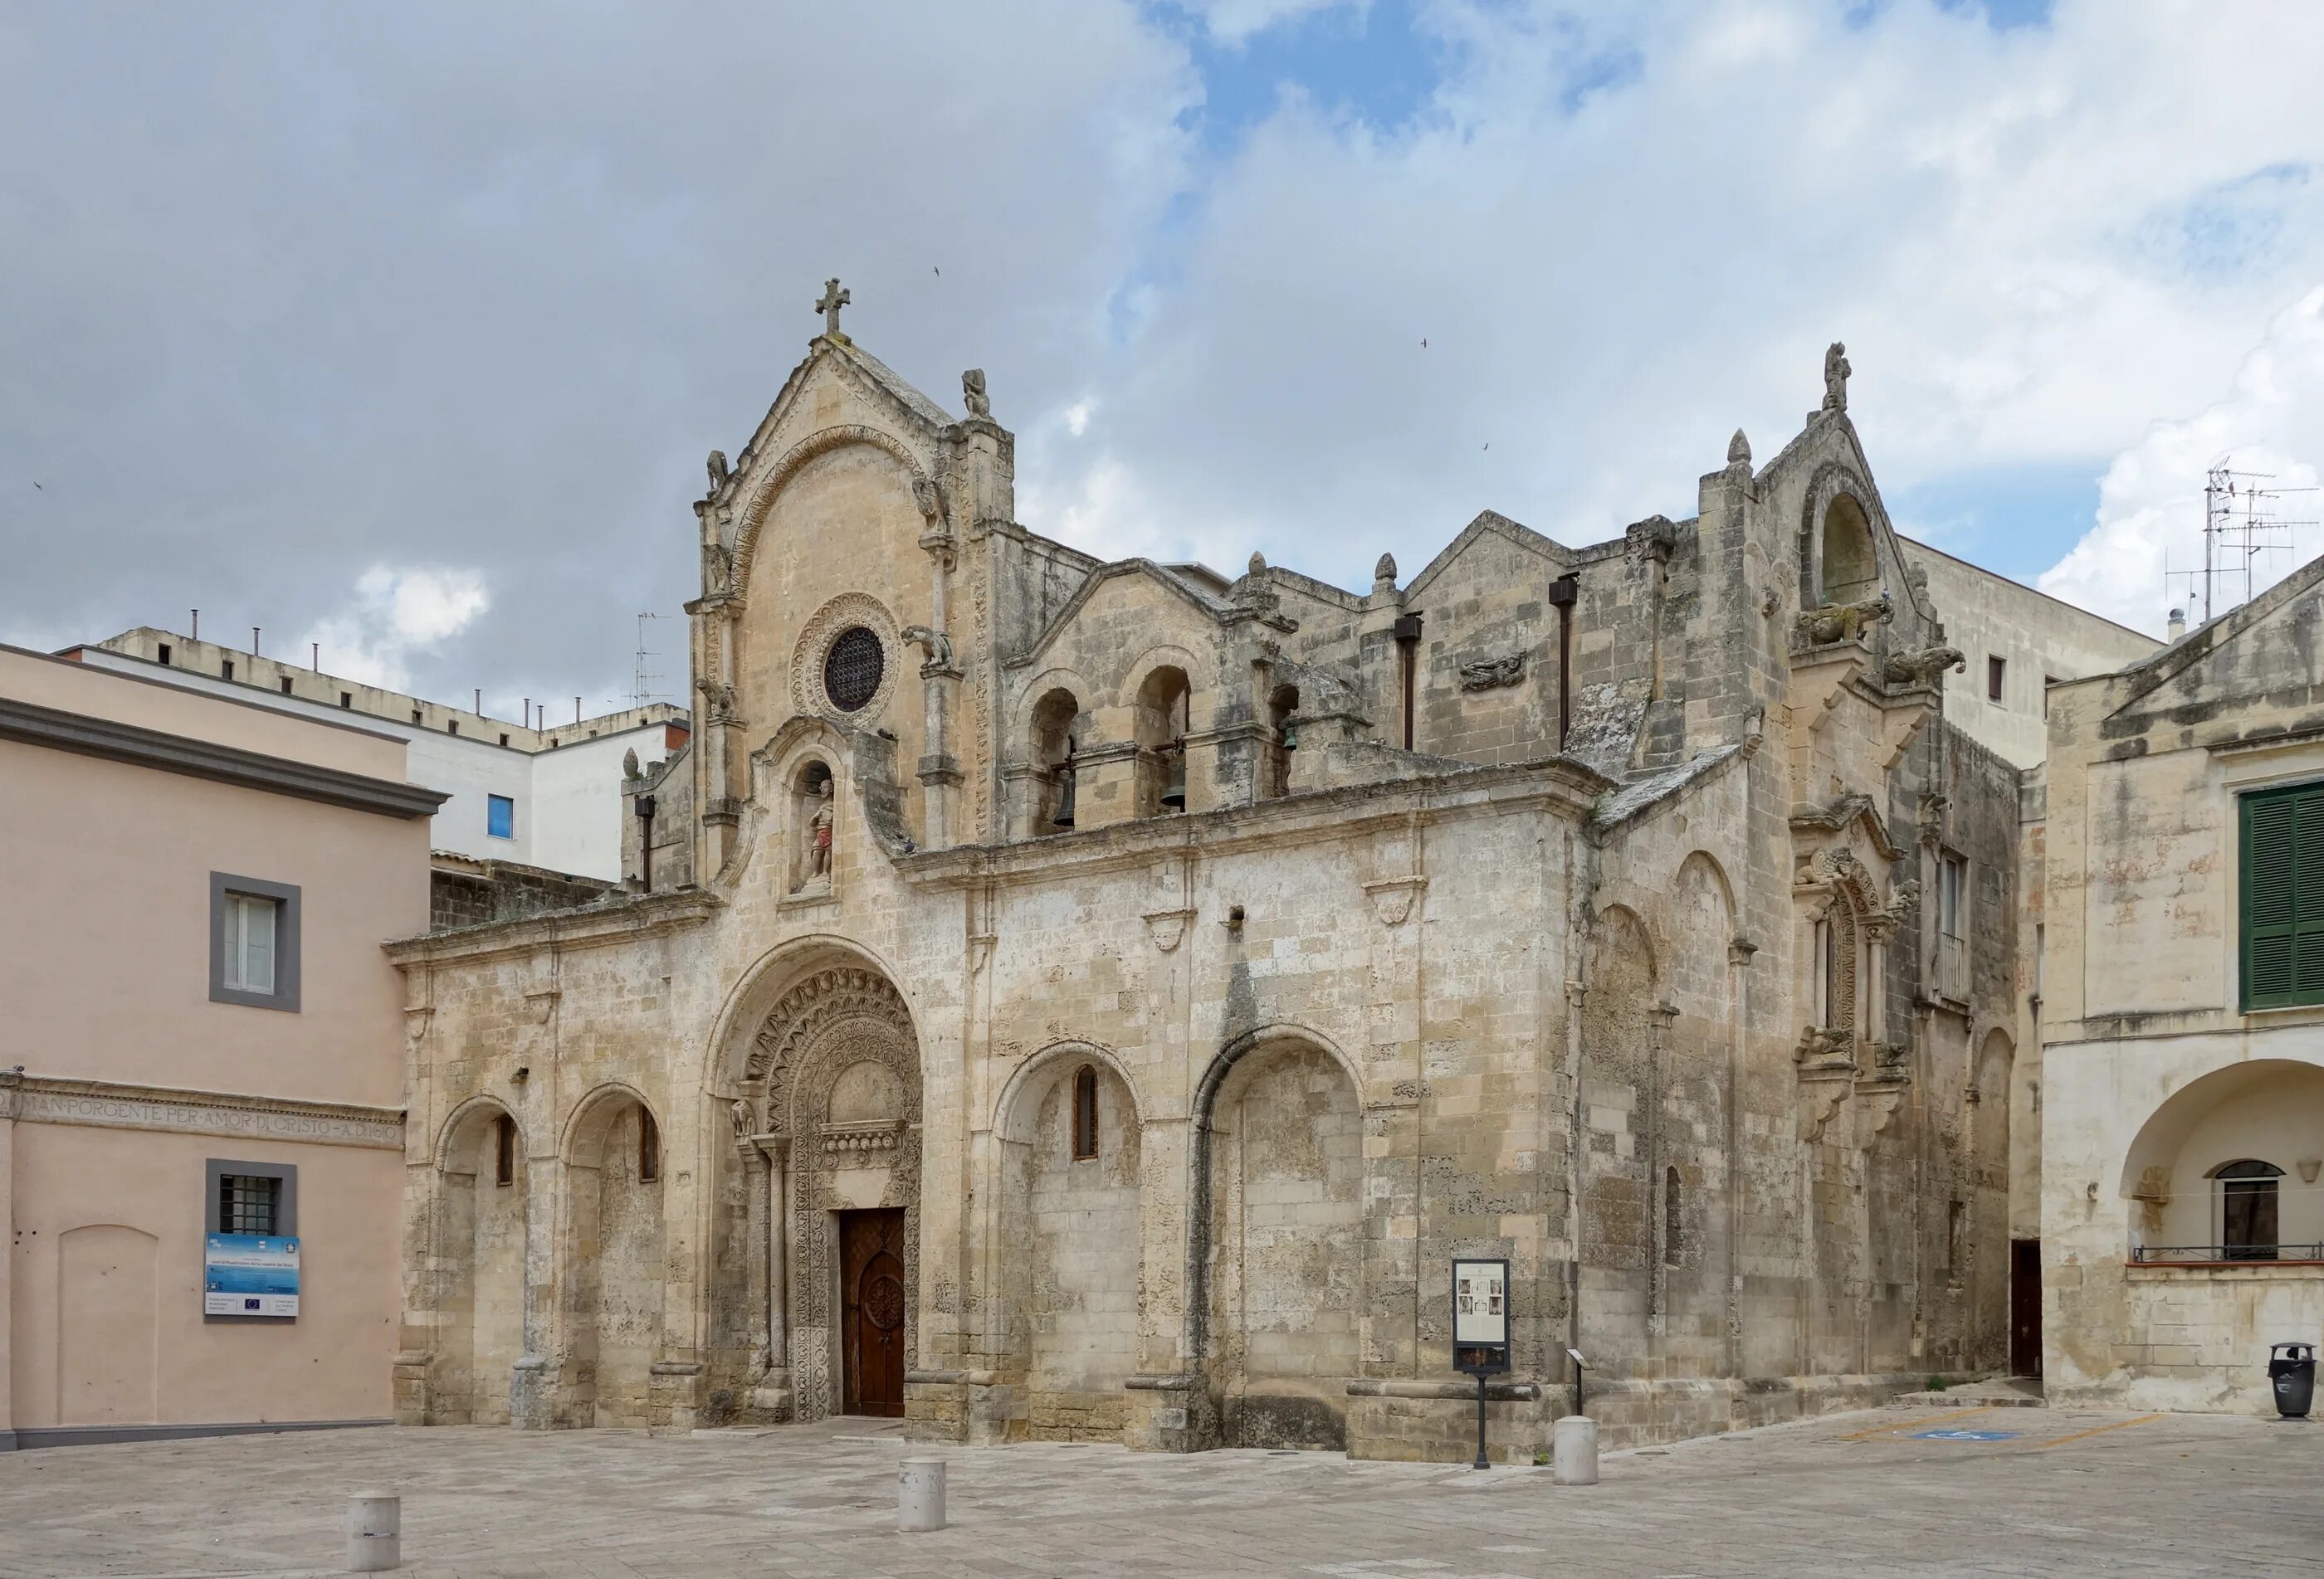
x,y
873,1298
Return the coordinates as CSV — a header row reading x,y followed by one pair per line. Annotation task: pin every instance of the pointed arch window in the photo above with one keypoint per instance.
x,y
1084,1114
505,1150
648,1148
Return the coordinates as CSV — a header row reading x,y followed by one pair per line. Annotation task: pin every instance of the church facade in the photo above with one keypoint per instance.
x,y
1064,999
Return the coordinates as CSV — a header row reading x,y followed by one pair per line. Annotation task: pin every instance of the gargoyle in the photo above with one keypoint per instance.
x,y
1924,664
1843,622
935,644
1822,1043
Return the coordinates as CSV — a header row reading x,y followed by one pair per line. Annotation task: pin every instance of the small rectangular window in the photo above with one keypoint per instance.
x,y
249,1203
225,668
165,651
2047,681
1084,1114
1994,670
347,699
648,1148
503,740
254,942
452,726
1952,890
504,1151
250,942
415,715
286,685
500,817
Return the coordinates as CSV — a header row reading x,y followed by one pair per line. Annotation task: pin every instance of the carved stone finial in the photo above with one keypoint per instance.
x,y
1257,562
1738,450
1384,573
718,473
973,395
630,763
1835,377
832,300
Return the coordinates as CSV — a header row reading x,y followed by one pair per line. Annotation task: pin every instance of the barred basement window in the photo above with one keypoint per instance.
x,y
1084,1114
2283,883
648,1148
505,1150
249,1203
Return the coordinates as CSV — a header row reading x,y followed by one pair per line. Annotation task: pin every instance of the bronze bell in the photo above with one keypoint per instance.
x,y
1066,776
1174,794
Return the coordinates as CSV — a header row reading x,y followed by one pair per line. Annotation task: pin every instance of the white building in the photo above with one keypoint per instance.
x,y
545,797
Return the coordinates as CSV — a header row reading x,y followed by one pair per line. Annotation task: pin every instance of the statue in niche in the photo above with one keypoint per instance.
x,y
1835,377
818,835
718,568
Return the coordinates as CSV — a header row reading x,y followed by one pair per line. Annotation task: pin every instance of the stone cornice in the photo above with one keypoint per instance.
x,y
35,725
589,926
116,1105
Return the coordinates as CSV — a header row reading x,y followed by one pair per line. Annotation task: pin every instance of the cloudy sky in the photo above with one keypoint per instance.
x,y
405,329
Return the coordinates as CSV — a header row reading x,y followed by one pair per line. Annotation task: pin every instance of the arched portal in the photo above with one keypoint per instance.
x,y
832,1081
614,1273
1071,1139
1282,1226
478,1231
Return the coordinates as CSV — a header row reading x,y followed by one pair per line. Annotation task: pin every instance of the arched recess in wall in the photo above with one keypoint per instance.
x,y
1621,1065
1278,1282
1068,1244
1850,562
477,1231
108,1331
613,1256
1282,740
2265,1110
1163,717
788,465
1698,1081
1053,736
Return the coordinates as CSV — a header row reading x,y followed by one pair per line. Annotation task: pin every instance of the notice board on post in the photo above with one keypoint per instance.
x,y
1480,1315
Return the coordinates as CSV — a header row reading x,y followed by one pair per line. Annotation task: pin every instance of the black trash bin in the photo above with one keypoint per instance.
x,y
2291,1368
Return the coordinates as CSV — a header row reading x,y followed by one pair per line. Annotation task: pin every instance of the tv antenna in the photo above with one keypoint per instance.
x,y
646,687
2240,523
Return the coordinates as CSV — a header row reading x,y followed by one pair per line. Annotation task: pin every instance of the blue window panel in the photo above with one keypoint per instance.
x,y
500,817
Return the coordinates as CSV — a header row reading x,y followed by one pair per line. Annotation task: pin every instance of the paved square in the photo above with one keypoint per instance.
x,y
2075,1493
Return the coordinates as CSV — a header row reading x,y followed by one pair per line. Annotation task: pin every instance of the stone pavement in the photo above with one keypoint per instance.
x,y
2075,1492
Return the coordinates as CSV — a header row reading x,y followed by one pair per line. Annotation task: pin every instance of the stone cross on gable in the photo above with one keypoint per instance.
x,y
834,298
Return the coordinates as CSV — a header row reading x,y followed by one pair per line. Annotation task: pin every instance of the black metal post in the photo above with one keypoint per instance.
x,y
1577,1384
1482,1461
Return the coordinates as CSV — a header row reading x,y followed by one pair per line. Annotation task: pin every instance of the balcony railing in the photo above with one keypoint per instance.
x,y
2215,1254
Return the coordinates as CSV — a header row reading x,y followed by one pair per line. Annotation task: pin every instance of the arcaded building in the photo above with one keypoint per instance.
x,y
1068,999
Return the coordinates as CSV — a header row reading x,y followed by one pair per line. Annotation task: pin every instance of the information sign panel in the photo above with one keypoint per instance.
x,y
1480,1314
250,1274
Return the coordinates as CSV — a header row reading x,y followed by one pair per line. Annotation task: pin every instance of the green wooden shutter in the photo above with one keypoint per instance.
x,y
2283,897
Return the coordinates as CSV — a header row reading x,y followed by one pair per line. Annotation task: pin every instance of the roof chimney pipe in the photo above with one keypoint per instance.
x,y
2178,626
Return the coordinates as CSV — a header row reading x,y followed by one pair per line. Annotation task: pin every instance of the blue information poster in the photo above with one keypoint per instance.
x,y
250,1274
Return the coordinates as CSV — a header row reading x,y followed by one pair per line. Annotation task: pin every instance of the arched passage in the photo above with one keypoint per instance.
x,y
613,1257
479,1229
1619,1191
1851,565
2177,1169
1279,1143
1070,1147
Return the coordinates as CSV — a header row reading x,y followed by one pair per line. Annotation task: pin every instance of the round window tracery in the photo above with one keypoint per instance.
x,y
853,668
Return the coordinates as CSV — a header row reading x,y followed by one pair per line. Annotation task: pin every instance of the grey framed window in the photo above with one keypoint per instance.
x,y
251,1198
254,942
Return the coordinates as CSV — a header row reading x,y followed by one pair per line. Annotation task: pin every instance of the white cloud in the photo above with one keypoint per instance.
x,y
397,617
2151,504
1232,22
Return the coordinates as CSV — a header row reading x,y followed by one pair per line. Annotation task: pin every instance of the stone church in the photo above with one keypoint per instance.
x,y
1057,998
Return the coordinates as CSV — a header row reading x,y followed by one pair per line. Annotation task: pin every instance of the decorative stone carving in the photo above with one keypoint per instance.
x,y
718,699
1922,665
1393,898
1824,1044
116,1105
1167,928
973,395
1835,377
1384,573
833,297
717,569
823,626
718,472
629,771
936,649
1489,673
1738,450
1843,622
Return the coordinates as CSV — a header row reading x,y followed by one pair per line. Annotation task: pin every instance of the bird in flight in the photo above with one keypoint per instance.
x,y
42,490
1423,344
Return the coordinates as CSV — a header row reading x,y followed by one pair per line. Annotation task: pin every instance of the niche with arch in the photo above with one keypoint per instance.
x,y
1850,562
1286,1235
1070,1194
813,805
479,1232
616,1274
1164,716
1056,737
1282,705
2268,1112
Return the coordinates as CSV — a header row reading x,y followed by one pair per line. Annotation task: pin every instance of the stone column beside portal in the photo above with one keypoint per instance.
x,y
1169,1406
771,1274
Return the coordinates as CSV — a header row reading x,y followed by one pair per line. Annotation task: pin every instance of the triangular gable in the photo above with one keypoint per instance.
x,y
1803,450
1214,610
916,412
1490,522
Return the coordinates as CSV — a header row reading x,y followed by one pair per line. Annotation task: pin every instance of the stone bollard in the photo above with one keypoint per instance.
x,y
1573,1451
375,1533
920,1494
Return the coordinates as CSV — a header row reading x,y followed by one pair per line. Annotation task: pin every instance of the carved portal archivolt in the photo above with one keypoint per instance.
x,y
832,1081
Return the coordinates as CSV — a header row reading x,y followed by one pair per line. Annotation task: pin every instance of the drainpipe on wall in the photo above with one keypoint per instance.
x,y
1563,593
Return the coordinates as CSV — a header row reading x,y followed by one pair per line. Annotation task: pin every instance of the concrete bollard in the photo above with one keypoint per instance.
x,y
1573,1451
920,1494
375,1533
